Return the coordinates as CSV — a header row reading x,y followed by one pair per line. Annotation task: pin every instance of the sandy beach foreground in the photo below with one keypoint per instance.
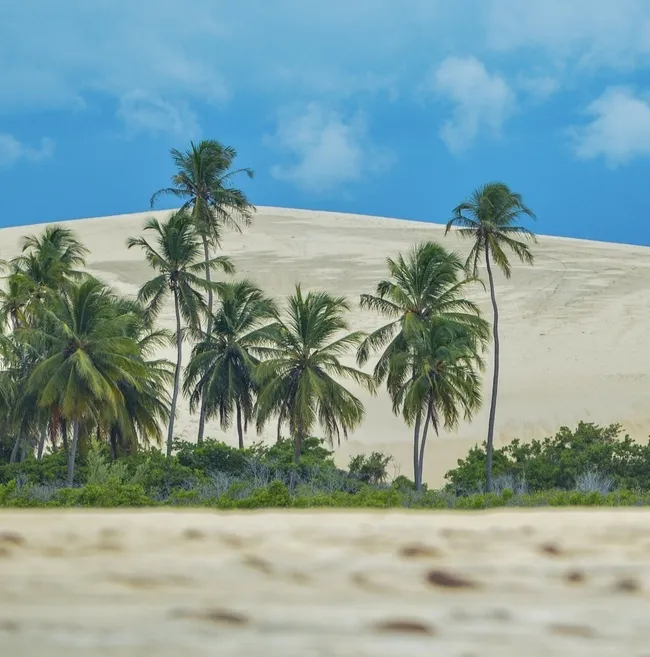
x,y
574,327
136,584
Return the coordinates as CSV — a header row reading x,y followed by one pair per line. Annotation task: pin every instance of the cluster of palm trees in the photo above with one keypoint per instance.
x,y
79,359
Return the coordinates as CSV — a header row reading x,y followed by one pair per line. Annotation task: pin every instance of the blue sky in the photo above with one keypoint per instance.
x,y
389,107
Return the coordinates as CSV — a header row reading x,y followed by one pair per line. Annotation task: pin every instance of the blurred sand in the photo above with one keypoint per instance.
x,y
574,326
326,584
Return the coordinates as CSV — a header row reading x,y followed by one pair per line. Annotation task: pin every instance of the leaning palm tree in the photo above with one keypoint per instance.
x,y
175,257
203,179
489,218
429,282
299,374
222,367
437,378
87,355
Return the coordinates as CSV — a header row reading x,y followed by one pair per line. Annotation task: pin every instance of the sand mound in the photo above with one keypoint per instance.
x,y
574,327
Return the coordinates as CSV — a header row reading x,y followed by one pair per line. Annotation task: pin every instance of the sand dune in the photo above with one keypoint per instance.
x,y
574,326
324,584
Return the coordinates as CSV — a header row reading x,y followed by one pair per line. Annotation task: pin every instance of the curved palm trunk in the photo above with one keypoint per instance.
x,y
495,377
206,255
425,430
73,452
240,430
177,374
416,452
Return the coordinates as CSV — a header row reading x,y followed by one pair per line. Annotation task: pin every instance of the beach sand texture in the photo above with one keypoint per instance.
x,y
324,584
573,328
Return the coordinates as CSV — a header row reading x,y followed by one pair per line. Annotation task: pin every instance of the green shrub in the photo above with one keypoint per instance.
x,y
592,458
370,469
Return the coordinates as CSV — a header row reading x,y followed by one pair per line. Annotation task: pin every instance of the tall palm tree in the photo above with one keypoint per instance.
x,y
87,354
299,376
490,219
204,180
429,282
221,370
437,379
175,257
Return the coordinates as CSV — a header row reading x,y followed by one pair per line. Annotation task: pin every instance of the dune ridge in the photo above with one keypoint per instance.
x,y
574,326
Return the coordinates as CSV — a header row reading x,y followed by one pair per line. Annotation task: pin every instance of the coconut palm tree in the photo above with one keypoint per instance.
x,y
429,282
204,181
221,370
175,256
437,378
146,408
13,301
87,354
490,219
48,262
300,373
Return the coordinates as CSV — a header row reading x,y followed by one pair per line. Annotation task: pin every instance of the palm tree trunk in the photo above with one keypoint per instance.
x,y
425,430
495,377
14,452
416,451
64,436
206,254
279,434
297,446
73,452
41,442
240,431
113,442
23,448
177,374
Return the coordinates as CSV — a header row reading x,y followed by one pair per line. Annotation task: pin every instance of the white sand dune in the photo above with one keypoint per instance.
x,y
321,584
574,327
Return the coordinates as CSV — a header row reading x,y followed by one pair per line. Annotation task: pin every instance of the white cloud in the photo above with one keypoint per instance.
x,y
12,150
142,111
481,100
591,33
329,149
619,130
538,87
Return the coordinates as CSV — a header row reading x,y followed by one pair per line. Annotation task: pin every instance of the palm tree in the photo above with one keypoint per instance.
x,y
147,406
298,377
13,301
176,258
437,378
203,179
221,370
489,218
87,355
46,265
429,282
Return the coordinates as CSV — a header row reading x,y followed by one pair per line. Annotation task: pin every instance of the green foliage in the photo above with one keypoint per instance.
x,y
370,469
213,456
589,457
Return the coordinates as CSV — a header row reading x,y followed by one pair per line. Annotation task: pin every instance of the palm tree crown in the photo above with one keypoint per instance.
x,y
299,376
489,218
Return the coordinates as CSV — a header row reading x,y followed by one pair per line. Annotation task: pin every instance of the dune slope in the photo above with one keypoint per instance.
x,y
574,326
